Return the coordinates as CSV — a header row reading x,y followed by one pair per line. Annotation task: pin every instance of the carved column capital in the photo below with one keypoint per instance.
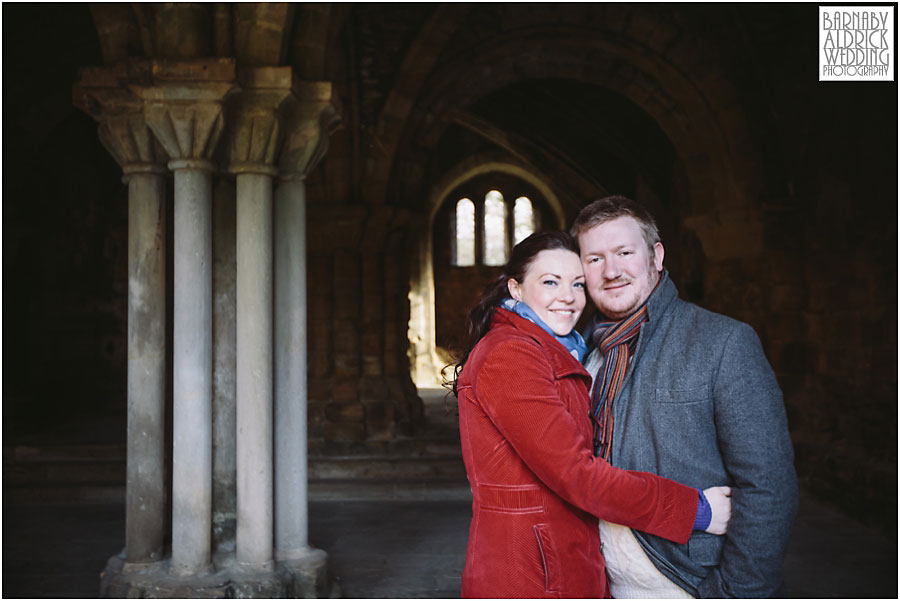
x,y
257,118
313,116
103,94
183,104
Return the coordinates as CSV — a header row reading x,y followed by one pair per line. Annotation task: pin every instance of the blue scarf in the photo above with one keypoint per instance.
x,y
573,342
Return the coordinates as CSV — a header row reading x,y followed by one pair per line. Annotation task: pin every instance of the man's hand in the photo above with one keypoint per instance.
x,y
719,498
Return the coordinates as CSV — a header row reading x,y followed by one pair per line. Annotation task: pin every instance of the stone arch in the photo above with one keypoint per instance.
x,y
662,89
716,152
425,363
412,75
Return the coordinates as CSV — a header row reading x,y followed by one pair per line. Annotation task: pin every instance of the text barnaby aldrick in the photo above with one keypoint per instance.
x,y
856,42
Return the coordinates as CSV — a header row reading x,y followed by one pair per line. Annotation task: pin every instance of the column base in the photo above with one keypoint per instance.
x,y
300,578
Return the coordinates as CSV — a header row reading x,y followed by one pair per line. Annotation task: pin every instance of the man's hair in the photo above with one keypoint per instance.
x,y
612,207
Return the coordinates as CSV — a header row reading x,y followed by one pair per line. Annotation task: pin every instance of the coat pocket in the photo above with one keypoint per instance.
x,y
683,397
549,560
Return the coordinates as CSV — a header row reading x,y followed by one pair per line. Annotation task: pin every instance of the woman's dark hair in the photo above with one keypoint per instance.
x,y
523,254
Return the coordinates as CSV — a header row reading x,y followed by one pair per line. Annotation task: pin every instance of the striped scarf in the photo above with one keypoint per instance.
x,y
616,341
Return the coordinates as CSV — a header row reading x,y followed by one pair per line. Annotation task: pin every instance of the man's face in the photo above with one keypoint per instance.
x,y
618,269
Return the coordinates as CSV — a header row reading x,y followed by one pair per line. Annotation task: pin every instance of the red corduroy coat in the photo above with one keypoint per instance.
x,y
537,489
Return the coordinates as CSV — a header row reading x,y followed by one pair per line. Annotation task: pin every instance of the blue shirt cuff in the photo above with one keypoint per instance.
x,y
704,512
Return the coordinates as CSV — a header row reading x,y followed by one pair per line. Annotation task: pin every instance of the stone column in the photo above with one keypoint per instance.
x,y
185,114
290,369
123,130
254,143
313,117
254,527
145,485
192,376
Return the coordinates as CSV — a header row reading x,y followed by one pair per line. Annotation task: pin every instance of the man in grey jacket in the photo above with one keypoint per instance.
x,y
687,394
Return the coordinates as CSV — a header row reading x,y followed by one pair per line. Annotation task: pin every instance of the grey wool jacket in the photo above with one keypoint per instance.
x,y
700,405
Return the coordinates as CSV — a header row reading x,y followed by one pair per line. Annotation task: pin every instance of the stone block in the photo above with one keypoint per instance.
x,y
791,357
319,364
315,417
394,365
884,366
819,295
346,365
813,328
784,327
345,390
373,389
319,389
344,412
752,296
371,365
346,336
346,301
787,297
345,432
371,342
379,420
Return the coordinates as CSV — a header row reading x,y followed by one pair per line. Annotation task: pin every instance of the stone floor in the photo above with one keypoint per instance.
x,y
398,546
404,549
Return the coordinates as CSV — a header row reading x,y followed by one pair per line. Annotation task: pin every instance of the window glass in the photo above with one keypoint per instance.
x,y
465,233
523,219
494,229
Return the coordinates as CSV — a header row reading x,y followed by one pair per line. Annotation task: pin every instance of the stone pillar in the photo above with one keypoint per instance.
x,y
145,483
132,143
253,145
254,532
224,366
124,132
192,376
313,116
291,514
185,115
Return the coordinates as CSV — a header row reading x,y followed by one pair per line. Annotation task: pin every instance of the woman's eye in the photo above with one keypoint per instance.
x,y
550,282
579,285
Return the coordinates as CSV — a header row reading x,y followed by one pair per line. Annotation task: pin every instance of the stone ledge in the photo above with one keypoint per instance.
x,y
301,578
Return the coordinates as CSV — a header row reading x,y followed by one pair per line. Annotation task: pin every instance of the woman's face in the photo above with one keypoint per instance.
x,y
553,287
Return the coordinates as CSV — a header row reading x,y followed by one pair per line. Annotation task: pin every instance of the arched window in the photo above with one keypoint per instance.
x,y
484,226
464,252
494,229
523,219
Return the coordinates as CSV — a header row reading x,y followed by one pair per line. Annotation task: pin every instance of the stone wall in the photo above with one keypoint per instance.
x,y
360,393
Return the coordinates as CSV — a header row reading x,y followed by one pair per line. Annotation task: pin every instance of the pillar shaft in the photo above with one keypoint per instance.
x,y
254,370
291,512
145,483
192,355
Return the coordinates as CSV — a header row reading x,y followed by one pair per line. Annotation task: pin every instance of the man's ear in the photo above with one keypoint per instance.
x,y
658,254
514,288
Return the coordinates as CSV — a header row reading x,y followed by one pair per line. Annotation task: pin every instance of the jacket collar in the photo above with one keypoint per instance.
x,y
562,363
661,297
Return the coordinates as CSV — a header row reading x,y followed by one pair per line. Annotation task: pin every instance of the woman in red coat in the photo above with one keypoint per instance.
x,y
537,489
